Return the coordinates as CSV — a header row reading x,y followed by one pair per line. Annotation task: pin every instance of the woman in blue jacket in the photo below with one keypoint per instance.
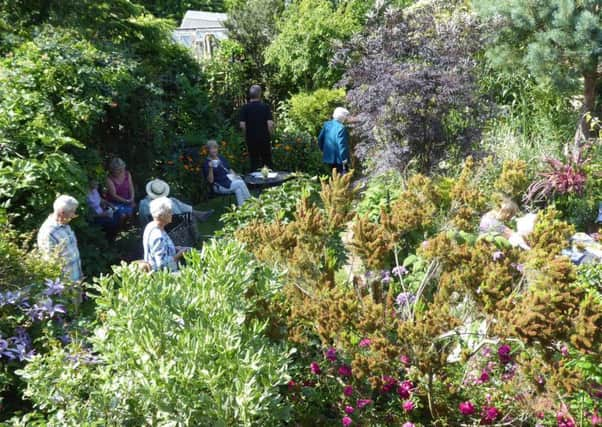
x,y
334,141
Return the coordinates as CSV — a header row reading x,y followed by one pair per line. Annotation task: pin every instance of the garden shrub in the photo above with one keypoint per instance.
x,y
188,349
37,312
309,111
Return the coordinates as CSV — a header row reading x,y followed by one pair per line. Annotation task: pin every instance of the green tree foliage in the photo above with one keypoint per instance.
x,y
304,48
81,81
253,24
175,9
307,111
559,41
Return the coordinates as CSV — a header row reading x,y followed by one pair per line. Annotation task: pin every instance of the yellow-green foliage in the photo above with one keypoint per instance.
x,y
514,179
468,199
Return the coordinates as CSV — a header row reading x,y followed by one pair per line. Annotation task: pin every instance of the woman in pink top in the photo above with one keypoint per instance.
x,y
121,189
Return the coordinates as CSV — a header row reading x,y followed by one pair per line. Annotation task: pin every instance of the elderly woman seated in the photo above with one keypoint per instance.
x,y
159,250
223,179
120,189
494,222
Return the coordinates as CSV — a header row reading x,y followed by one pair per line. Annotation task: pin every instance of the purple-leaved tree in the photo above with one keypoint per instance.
x,y
411,83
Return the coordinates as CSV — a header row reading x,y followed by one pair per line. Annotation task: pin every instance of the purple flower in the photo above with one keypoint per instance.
x,y
405,359
466,408
564,350
483,378
386,277
408,406
365,342
490,414
405,298
347,421
399,271
498,255
315,368
486,352
54,287
349,410
504,353
345,371
46,309
361,403
348,391
331,354
518,267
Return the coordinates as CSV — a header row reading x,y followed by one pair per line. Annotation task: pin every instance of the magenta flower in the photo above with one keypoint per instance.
x,y
348,391
361,403
405,360
389,383
345,371
490,414
291,385
347,421
596,419
466,408
405,389
349,410
315,368
331,354
365,342
408,405
564,350
408,424
504,353
483,378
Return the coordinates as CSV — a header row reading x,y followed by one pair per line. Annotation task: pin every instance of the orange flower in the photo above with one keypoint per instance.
x,y
187,167
298,140
170,162
288,148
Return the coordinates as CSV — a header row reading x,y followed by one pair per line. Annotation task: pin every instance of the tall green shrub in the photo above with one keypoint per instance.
x,y
185,349
307,111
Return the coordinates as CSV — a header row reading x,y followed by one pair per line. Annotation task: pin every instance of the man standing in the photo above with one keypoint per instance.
x,y
257,124
56,238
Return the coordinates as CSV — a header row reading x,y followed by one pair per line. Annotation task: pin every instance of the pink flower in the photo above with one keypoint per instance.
x,y
564,350
497,255
348,391
345,371
408,405
331,354
408,424
490,414
466,408
361,403
365,342
405,360
349,410
504,353
389,383
486,352
404,389
596,419
347,421
315,368
291,385
564,420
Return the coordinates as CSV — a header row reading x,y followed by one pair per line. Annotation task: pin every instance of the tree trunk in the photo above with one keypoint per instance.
x,y
589,102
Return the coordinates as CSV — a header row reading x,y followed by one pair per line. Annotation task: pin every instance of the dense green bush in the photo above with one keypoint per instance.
x,y
307,111
186,349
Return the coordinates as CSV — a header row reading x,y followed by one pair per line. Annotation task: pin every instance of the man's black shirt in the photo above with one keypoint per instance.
x,y
256,115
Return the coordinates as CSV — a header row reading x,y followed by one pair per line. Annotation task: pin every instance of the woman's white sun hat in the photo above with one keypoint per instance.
x,y
157,188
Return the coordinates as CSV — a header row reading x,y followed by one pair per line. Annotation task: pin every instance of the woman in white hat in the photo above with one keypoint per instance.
x,y
159,188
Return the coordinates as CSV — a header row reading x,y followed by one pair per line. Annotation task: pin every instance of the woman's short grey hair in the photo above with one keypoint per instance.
x,y
65,204
160,207
212,143
116,164
340,114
